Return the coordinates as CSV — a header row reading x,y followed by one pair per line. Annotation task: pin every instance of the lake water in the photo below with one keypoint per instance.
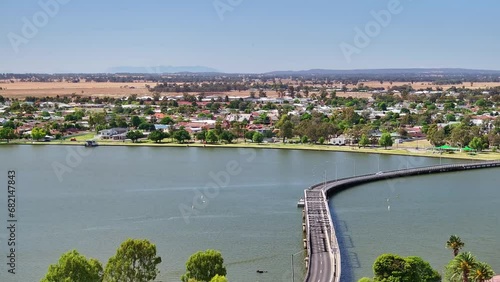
x,y
239,201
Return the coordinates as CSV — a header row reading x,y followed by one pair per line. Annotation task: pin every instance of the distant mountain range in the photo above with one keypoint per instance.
x,y
203,69
427,71
163,69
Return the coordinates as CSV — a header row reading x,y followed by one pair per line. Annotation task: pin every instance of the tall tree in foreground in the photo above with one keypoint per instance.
x,y
204,266
455,243
74,267
393,268
134,261
422,270
462,265
482,272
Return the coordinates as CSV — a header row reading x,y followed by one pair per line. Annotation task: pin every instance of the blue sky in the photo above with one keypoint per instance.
x,y
250,36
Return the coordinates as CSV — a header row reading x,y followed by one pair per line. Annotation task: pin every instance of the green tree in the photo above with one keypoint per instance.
x,y
321,140
135,121
461,135
201,135
157,135
422,270
304,139
365,279
393,268
477,144
364,141
134,261
455,244
167,120
227,136
285,126
97,119
462,265
385,140
286,130
389,267
7,134
219,278
38,133
482,272
435,135
211,136
74,267
10,124
147,126
134,135
249,135
181,135
203,266
257,137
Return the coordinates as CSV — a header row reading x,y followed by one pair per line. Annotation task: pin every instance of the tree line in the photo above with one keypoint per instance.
x,y
464,267
135,260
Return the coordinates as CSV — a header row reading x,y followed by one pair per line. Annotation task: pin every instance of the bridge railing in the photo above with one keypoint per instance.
x,y
334,244
308,236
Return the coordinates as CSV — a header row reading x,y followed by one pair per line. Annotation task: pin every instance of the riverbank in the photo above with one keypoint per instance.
x,y
407,150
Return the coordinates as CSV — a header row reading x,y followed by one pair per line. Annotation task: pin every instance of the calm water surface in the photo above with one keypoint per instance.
x,y
93,203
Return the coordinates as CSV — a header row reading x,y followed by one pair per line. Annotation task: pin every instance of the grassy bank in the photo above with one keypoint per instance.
x,y
405,149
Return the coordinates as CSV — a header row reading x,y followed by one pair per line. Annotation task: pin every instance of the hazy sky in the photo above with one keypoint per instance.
x,y
247,35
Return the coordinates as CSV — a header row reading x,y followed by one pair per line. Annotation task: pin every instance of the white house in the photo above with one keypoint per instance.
x,y
339,141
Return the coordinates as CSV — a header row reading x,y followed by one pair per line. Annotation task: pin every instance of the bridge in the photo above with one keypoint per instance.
x,y
323,260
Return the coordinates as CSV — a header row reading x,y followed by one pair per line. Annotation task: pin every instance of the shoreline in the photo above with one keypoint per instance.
x,y
489,156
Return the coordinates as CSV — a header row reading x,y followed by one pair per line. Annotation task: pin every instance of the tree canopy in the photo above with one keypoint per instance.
x,y
134,135
219,278
393,268
227,136
257,137
157,135
7,134
181,135
204,266
74,267
38,133
211,136
455,243
385,140
134,261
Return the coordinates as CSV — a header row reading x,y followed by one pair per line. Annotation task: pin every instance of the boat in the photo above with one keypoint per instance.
x,y
91,143
301,203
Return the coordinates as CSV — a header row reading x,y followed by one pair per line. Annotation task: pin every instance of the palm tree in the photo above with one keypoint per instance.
x,y
455,243
482,272
462,265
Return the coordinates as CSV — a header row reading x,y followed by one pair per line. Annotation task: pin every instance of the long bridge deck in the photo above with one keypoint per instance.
x,y
323,252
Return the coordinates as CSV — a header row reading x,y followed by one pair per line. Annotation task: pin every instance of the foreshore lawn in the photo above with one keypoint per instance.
x,y
405,149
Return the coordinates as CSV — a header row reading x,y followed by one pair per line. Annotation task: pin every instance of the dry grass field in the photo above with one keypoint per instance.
x,y
114,89
424,85
42,89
